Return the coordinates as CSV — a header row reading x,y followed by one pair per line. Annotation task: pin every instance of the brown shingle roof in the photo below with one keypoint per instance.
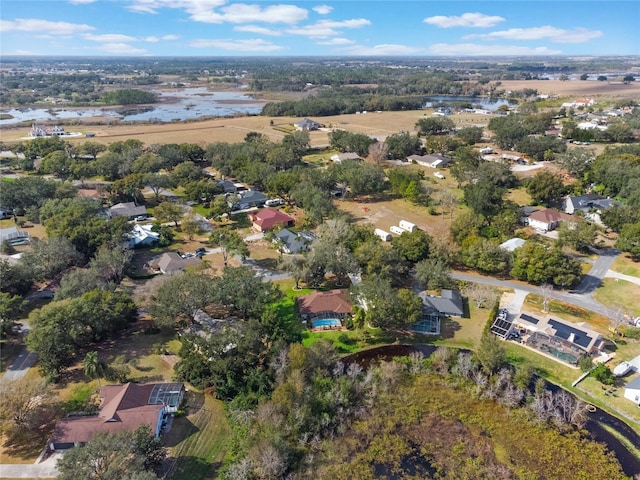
x,y
331,301
124,407
550,215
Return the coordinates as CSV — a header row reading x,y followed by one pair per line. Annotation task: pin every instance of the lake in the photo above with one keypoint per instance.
x,y
484,102
179,104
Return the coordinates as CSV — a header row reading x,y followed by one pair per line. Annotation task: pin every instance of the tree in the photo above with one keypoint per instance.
x,y
576,161
535,263
435,125
243,292
190,226
432,273
169,212
603,374
385,306
545,188
180,297
23,403
401,145
93,367
485,255
106,456
579,235
92,149
412,246
51,256
11,308
491,354
470,135
629,239
156,183
296,266
481,293
230,243
483,197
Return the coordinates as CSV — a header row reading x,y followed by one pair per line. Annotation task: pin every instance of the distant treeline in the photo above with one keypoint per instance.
x,y
129,96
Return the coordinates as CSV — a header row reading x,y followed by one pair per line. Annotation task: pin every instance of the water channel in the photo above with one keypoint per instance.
x,y
175,105
595,425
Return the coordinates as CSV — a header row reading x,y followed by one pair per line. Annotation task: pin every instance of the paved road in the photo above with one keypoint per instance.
x,y
600,267
21,364
621,276
579,300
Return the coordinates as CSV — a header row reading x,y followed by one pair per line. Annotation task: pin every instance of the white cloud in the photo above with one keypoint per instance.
x,y
258,30
80,2
251,45
323,9
109,38
36,25
217,11
462,49
154,39
336,41
478,20
557,35
382,49
243,13
121,48
22,52
328,28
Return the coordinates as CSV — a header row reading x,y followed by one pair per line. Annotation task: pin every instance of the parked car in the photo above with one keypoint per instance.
x,y
200,252
274,202
141,218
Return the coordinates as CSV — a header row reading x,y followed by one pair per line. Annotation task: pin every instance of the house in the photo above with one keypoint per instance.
x,y
576,337
587,202
548,219
514,158
14,236
448,304
269,218
632,390
122,407
127,209
172,262
334,304
340,157
247,199
142,236
307,124
512,244
431,160
91,193
227,186
293,242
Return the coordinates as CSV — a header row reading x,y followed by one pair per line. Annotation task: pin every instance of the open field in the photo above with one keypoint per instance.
x,y
590,89
623,264
234,129
616,293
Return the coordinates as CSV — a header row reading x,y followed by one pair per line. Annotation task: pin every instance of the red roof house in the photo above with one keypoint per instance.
x,y
548,219
269,218
334,304
123,407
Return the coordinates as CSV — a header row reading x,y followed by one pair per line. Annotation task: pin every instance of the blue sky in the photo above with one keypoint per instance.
x,y
317,28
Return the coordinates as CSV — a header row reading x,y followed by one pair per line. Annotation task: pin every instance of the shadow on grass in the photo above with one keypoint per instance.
x,y
194,468
181,429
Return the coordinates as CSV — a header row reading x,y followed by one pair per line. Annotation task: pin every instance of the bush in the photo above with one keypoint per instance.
x,y
585,363
603,374
630,332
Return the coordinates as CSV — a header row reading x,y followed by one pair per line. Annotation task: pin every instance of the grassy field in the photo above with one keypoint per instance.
x,y
616,293
198,441
625,265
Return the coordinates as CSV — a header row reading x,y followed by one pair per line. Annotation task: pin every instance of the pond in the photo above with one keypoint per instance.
x,y
483,102
179,104
595,424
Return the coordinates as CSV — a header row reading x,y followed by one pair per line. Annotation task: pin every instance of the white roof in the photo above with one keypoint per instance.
x,y
511,244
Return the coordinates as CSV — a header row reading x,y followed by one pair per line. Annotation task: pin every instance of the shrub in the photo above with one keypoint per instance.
x,y
603,374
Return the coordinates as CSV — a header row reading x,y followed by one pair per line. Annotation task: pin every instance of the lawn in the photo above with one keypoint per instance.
x,y
198,441
623,264
615,293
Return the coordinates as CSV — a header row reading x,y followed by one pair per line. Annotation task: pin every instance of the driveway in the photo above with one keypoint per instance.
x,y
45,469
598,271
21,364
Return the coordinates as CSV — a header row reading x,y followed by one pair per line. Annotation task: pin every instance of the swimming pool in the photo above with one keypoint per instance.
x,y
326,322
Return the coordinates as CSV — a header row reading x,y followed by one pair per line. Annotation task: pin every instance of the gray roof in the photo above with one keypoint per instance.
x,y
448,303
252,196
295,242
170,262
128,209
634,384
